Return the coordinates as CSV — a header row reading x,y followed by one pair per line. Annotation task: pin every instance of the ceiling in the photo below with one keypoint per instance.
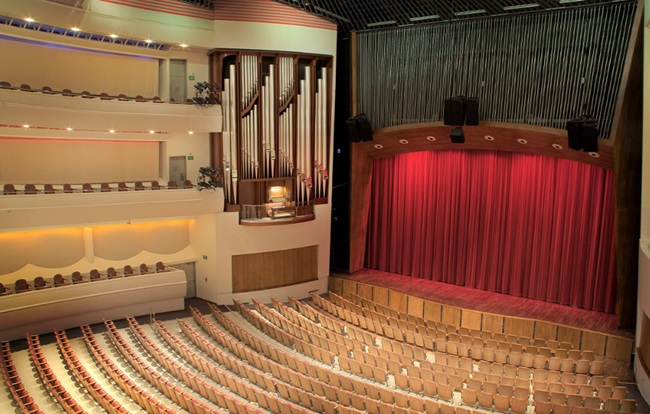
x,y
357,15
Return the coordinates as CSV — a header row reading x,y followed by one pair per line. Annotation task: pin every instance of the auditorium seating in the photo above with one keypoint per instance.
x,y
16,387
11,189
21,285
298,357
86,94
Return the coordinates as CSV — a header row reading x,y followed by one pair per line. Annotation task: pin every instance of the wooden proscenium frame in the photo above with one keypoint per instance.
x,y
277,111
435,136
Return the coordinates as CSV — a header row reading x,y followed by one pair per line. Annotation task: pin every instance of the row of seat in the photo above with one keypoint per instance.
x,y
524,373
270,389
322,378
479,351
496,372
588,389
496,340
86,94
171,388
109,403
10,189
144,399
20,395
39,283
49,379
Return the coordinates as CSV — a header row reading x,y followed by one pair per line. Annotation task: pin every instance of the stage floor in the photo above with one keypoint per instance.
x,y
485,301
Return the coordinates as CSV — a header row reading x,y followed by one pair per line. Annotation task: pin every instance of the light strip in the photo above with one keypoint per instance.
x,y
570,1
381,23
419,19
521,6
469,12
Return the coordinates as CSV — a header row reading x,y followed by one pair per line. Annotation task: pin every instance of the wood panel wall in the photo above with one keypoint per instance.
x,y
612,346
267,270
627,135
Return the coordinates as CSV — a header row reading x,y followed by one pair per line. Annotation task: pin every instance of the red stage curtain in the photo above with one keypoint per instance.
x,y
526,225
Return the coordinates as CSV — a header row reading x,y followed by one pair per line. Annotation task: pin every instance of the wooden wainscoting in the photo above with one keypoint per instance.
x,y
268,270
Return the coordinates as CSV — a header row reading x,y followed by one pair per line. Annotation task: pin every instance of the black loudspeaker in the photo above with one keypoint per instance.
x,y
364,128
471,111
454,113
574,131
590,136
359,128
457,136
353,131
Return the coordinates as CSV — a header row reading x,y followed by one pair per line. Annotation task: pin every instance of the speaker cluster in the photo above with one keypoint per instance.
x,y
583,134
461,110
359,128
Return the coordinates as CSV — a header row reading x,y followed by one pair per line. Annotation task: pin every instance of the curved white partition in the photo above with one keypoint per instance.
x,y
69,306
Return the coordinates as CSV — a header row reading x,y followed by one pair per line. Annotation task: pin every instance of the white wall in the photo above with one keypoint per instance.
x,y
233,239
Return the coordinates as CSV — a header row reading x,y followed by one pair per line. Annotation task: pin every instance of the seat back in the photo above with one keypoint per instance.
x,y
155,185
21,285
48,189
122,187
87,188
188,184
67,188
139,186
39,282
106,188
59,280
9,189
128,270
172,184
30,189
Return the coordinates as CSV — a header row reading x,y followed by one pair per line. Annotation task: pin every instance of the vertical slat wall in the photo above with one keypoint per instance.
x,y
538,69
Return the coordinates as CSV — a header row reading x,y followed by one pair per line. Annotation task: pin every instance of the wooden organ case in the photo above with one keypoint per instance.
x,y
274,145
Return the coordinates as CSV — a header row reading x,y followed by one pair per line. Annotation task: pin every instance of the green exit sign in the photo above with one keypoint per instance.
x,y
190,157
191,77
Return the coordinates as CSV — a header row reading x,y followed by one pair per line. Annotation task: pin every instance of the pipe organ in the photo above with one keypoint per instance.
x,y
277,112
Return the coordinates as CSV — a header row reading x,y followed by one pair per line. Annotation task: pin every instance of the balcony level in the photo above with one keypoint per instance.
x,y
36,211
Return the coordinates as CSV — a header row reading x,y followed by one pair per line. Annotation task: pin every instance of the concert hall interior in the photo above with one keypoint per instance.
x,y
330,206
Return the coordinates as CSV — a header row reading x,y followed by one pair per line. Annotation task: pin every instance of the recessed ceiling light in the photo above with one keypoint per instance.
x,y
431,138
152,131
594,155
191,132
403,141
75,29
68,129
25,125
183,45
148,41
379,146
557,146
29,20
522,141
112,131
113,36
489,138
